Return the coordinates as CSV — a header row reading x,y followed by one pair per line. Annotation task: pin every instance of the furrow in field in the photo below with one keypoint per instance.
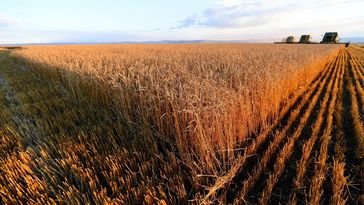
x,y
357,81
297,116
359,55
355,58
295,103
285,157
303,196
336,150
355,94
337,184
315,192
349,120
308,147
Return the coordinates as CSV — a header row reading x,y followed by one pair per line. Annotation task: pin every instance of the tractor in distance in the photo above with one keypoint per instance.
x,y
305,39
332,38
290,39
329,38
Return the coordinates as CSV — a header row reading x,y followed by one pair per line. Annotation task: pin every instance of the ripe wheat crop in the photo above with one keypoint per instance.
x,y
173,123
204,99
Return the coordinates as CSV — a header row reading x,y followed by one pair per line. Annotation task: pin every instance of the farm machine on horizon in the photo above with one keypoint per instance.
x,y
329,38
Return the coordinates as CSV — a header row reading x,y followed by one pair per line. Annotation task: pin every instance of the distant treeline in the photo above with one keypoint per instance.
x,y
11,47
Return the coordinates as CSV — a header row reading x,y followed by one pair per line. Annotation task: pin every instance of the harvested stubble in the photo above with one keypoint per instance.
x,y
187,108
308,146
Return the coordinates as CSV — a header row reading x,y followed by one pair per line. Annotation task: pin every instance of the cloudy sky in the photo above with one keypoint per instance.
x,y
54,21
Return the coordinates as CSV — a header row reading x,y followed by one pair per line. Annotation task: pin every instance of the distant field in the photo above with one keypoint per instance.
x,y
176,124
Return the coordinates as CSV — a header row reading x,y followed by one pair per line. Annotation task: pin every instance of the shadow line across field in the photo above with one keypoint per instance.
x,y
96,144
96,153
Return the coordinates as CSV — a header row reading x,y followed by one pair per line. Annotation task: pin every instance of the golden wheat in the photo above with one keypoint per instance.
x,y
173,124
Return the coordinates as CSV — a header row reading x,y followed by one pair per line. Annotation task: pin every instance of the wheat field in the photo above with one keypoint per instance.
x,y
182,124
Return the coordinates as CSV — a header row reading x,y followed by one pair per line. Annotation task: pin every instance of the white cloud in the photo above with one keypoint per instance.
x,y
259,20
234,14
231,15
6,21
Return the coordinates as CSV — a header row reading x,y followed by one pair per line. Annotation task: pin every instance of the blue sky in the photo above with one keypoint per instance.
x,y
54,21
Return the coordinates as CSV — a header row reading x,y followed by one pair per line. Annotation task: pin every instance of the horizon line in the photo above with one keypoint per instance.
x,y
197,41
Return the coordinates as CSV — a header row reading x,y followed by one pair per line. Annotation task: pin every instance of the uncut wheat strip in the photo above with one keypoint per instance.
x,y
354,60
357,66
355,112
316,190
359,52
339,183
261,166
339,180
240,162
287,150
308,146
360,58
357,79
339,148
